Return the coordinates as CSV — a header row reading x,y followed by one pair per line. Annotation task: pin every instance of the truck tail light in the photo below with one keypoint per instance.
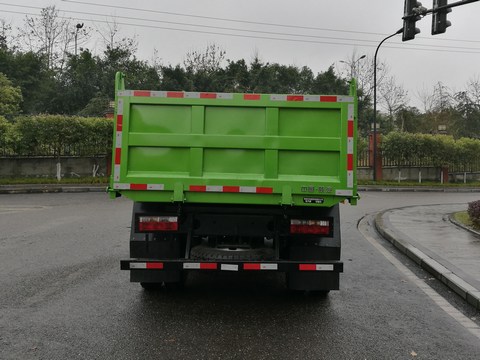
x,y
317,227
157,223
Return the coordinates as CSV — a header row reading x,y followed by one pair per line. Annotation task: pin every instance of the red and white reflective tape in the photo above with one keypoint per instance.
x,y
229,267
147,265
258,266
315,267
229,96
251,97
124,186
202,95
350,144
201,266
118,141
312,98
176,94
231,189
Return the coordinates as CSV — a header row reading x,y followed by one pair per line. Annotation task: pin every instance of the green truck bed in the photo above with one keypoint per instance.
x,y
234,148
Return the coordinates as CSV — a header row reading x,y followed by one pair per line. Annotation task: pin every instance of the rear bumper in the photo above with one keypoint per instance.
x,y
236,266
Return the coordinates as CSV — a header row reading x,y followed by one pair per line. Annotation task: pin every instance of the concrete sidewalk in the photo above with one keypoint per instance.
x,y
428,237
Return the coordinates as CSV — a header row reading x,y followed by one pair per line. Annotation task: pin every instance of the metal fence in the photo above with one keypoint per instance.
x,y
364,159
99,149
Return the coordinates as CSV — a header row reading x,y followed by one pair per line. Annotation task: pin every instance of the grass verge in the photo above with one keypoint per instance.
x,y
463,218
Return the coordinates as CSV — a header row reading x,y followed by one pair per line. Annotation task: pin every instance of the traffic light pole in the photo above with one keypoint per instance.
x,y
414,11
375,103
448,6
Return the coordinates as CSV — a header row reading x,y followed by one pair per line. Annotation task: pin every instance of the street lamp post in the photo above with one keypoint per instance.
x,y
399,31
78,27
353,65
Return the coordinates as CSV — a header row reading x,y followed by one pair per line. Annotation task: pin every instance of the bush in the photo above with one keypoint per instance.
x,y
406,149
58,135
474,212
362,145
4,129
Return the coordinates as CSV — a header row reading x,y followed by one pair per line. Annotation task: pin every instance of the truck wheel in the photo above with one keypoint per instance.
x,y
203,252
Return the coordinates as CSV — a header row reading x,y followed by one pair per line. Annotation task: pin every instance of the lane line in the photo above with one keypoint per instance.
x,y
463,320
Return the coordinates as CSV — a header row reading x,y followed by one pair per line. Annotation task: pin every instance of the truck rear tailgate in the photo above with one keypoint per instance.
x,y
234,148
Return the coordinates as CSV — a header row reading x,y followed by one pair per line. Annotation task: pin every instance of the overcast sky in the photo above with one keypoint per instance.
x,y
315,33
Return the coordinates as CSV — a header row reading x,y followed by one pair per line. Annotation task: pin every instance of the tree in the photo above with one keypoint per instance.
x,y
437,99
467,123
328,82
6,37
175,78
260,76
76,84
393,97
408,119
236,76
49,35
10,97
140,74
119,55
205,68
208,61
96,107
363,72
110,39
28,71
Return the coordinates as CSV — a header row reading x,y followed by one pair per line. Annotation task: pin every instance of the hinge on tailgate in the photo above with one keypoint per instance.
x,y
287,195
178,195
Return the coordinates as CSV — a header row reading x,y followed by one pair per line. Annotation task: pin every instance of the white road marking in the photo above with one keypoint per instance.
x,y
429,291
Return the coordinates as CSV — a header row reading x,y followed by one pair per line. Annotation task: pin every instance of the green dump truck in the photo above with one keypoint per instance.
x,y
227,182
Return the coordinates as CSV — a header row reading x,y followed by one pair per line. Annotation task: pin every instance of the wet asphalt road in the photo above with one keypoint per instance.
x,y
64,297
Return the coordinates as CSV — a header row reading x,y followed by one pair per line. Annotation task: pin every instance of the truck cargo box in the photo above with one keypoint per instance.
x,y
229,148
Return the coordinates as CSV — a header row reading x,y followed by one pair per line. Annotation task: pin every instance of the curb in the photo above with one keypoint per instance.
x,y
447,277
417,189
460,225
42,189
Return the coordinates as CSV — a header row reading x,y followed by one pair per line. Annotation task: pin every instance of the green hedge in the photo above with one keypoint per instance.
x,y
56,135
407,149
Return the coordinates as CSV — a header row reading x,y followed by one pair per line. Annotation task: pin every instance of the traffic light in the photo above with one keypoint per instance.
x,y
411,16
439,17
